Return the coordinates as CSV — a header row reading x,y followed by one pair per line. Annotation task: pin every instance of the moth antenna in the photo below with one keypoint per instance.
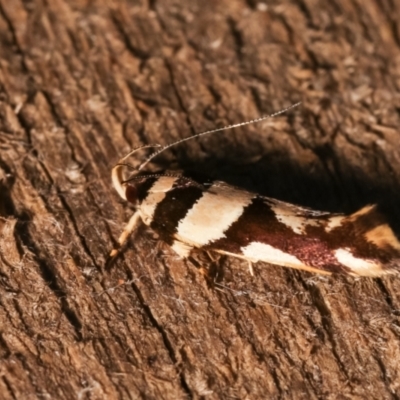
x,y
252,121
117,171
125,165
140,177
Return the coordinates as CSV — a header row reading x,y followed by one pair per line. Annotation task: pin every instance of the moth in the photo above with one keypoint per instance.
x,y
217,217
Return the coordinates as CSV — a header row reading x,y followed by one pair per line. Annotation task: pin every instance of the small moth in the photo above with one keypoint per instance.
x,y
215,216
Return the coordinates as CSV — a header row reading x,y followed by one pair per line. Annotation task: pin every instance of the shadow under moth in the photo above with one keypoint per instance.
x,y
215,216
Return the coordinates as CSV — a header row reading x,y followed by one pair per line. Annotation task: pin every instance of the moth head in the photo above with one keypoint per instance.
x,y
127,186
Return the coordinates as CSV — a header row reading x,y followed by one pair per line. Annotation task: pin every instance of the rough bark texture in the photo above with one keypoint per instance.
x,y
81,82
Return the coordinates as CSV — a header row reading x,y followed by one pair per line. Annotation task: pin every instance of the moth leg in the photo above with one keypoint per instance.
x,y
209,254
129,228
215,271
183,250
197,265
251,268
212,273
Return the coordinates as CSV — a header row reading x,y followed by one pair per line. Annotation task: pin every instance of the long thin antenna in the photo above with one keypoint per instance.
x,y
156,153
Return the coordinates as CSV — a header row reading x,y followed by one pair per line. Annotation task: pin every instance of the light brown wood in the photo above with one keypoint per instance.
x,y
82,82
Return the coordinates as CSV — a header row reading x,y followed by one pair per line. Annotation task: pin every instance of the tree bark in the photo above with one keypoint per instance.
x,y
82,82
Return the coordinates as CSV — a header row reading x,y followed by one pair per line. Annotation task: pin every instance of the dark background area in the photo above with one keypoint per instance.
x,y
82,82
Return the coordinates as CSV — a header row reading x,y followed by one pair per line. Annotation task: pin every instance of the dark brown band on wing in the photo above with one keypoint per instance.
x,y
173,208
136,191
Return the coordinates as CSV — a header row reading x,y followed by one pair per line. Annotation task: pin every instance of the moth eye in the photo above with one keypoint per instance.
x,y
131,194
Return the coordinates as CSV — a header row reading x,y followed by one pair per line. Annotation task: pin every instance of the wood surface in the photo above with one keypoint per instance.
x,y
82,82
